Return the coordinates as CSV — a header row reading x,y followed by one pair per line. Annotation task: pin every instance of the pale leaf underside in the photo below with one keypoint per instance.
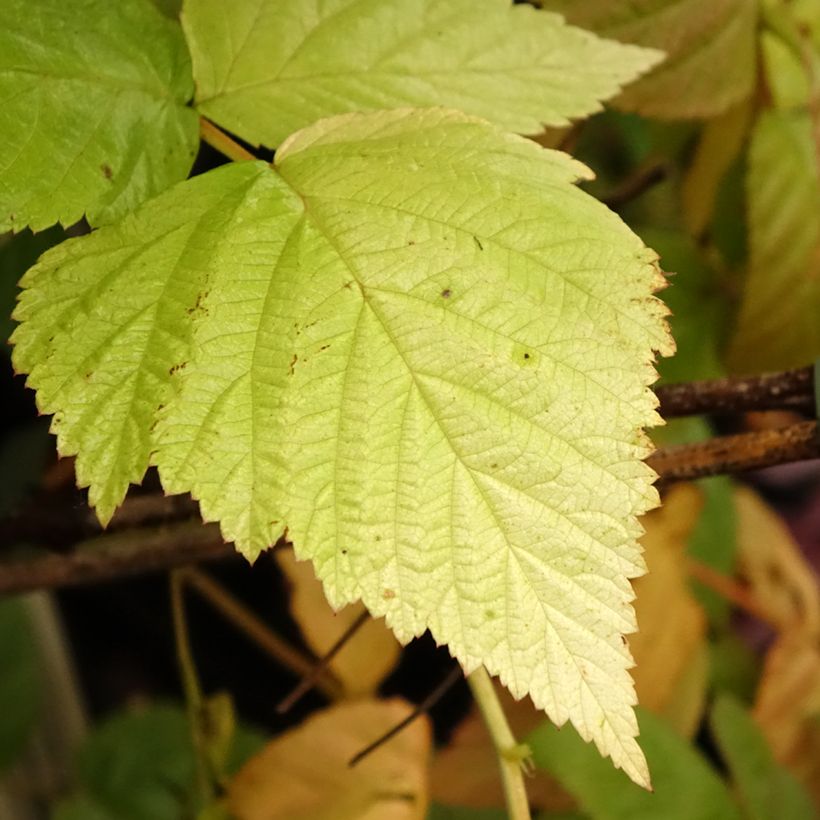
x,y
416,345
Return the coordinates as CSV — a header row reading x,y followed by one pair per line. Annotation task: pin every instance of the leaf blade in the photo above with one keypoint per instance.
x,y
426,354
93,117
265,69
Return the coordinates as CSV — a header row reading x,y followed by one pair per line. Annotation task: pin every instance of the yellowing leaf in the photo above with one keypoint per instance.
x,y
415,344
787,706
780,579
710,48
366,658
304,773
721,142
265,68
778,324
93,115
671,623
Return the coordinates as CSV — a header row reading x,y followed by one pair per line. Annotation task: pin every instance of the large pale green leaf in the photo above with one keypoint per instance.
x,y
92,109
265,68
710,46
778,324
415,345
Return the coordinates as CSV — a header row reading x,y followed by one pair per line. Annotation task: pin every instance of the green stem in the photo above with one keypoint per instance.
x,y
219,140
190,686
511,754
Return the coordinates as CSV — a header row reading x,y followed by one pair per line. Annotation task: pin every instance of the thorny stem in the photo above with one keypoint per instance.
x,y
174,538
786,390
511,754
218,139
735,454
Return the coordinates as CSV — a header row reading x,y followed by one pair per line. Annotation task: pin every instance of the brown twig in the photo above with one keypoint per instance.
x,y
313,674
729,588
738,453
787,390
175,537
452,678
115,556
644,178
254,628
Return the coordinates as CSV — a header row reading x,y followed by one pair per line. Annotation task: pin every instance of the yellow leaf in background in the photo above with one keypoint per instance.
x,y
778,324
304,773
366,658
779,577
710,48
787,706
721,141
465,773
669,645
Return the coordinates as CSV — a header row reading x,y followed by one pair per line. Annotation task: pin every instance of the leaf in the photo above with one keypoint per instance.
x,y
265,68
710,47
93,118
366,658
139,765
777,325
415,344
766,790
304,773
787,706
697,305
773,566
17,254
684,786
721,142
20,683
671,624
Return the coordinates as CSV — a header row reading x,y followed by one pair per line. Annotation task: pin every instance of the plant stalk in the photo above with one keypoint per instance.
x,y
510,753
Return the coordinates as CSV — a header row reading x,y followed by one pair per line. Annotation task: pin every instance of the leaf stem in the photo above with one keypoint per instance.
x,y
510,753
190,685
218,139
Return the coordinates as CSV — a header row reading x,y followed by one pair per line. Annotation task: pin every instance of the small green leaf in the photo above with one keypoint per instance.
x,y
18,253
777,325
413,343
265,68
766,790
93,118
139,765
684,786
710,47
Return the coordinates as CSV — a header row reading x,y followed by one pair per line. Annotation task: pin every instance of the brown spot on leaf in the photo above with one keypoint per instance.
x,y
388,594
292,364
446,293
106,170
